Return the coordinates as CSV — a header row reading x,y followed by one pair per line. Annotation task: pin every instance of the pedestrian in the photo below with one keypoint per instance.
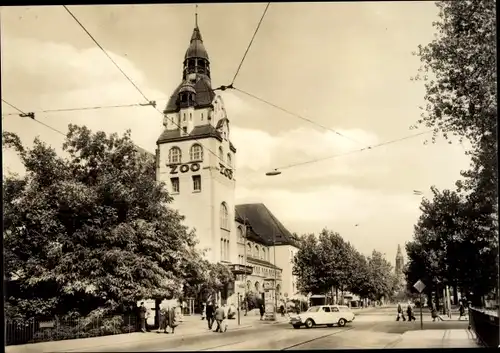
x,y
461,310
175,314
401,315
210,311
434,313
409,311
142,317
262,311
219,317
282,309
203,311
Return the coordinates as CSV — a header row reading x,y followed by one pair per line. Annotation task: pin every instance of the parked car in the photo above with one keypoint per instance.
x,y
323,315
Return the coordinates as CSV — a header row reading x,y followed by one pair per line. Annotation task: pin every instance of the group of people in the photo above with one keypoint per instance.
x,y
216,314
169,317
409,312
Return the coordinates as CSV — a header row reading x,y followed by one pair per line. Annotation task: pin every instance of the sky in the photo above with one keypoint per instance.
x,y
346,66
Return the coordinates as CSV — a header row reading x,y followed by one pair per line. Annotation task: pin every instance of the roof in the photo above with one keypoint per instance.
x,y
201,131
263,224
196,48
204,94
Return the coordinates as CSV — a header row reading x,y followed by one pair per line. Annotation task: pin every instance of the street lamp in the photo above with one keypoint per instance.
x,y
274,173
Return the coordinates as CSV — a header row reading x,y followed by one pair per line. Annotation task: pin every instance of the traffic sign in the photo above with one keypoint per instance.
x,y
286,295
420,286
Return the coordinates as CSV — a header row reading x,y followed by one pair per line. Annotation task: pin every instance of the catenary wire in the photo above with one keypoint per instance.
x,y
356,151
297,115
250,44
138,89
105,53
88,108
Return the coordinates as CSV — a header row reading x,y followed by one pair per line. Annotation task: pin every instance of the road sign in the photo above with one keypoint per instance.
x,y
420,286
286,295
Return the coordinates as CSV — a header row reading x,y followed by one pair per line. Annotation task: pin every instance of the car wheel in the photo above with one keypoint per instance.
x,y
330,325
296,326
309,323
342,322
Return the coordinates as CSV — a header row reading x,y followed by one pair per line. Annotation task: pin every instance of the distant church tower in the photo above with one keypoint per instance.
x,y
196,159
399,262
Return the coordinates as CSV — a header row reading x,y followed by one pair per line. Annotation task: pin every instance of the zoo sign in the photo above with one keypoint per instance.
x,y
228,173
184,168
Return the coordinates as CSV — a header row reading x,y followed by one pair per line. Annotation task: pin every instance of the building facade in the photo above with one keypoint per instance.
x,y
195,158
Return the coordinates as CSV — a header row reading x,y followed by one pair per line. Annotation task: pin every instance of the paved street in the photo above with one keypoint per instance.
x,y
377,328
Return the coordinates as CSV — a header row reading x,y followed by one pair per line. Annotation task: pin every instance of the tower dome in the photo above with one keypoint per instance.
x,y
196,47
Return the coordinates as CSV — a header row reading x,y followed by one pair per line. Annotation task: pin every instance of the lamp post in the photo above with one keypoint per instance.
x,y
274,173
245,256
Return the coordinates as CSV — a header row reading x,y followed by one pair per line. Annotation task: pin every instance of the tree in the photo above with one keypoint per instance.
x,y
306,265
382,276
91,230
462,95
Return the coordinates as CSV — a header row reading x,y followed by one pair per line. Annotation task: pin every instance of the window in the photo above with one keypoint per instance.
x,y
201,116
335,310
224,249
256,252
221,154
185,130
174,155
257,287
326,309
175,185
241,239
249,285
224,216
229,160
184,117
264,254
190,116
196,183
249,249
196,152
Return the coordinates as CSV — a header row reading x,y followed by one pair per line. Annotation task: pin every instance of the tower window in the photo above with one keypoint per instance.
x,y
229,160
196,153
175,185
185,129
190,116
201,116
196,183
221,154
184,117
174,155
224,216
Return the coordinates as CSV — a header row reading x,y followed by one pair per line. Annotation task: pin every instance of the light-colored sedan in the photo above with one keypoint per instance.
x,y
323,315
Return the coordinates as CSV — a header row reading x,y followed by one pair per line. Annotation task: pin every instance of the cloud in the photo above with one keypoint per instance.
x,y
61,76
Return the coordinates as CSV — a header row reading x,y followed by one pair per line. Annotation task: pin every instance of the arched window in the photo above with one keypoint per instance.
x,y
174,155
278,288
256,253
241,239
224,216
224,249
221,154
229,160
196,152
264,254
249,249
249,285
257,287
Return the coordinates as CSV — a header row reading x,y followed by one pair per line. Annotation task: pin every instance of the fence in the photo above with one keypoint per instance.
x,y
485,325
33,330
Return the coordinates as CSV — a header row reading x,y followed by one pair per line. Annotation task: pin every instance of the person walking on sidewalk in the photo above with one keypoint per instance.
x,y
203,311
219,317
401,315
210,311
461,310
409,312
262,311
142,316
434,313
163,317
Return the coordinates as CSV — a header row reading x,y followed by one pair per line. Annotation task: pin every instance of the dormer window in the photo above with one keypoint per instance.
x,y
174,155
185,130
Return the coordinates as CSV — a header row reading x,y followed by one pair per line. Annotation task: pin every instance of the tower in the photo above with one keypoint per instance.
x,y
195,157
399,262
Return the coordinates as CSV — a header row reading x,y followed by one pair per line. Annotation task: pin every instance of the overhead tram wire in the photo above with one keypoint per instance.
x,y
355,151
298,116
137,88
250,44
61,110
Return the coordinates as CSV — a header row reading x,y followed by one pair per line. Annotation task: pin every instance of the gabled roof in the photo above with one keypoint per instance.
x,y
263,224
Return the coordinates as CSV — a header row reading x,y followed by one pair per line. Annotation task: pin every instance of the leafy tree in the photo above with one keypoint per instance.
x,y
91,230
306,265
382,276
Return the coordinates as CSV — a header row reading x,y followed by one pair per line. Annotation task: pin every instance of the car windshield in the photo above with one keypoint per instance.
x,y
313,309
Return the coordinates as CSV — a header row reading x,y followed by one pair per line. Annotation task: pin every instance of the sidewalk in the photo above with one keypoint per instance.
x,y
461,338
190,326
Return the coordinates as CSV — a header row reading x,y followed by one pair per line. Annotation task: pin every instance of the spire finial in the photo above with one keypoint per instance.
x,y
196,16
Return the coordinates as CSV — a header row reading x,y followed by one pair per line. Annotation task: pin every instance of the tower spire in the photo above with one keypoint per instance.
x,y
196,16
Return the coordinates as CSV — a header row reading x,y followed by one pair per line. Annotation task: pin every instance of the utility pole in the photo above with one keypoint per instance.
x,y
275,283
245,256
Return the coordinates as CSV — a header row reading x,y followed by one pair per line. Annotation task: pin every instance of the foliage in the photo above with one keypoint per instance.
x,y
329,262
91,230
462,58
253,300
453,245
206,279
